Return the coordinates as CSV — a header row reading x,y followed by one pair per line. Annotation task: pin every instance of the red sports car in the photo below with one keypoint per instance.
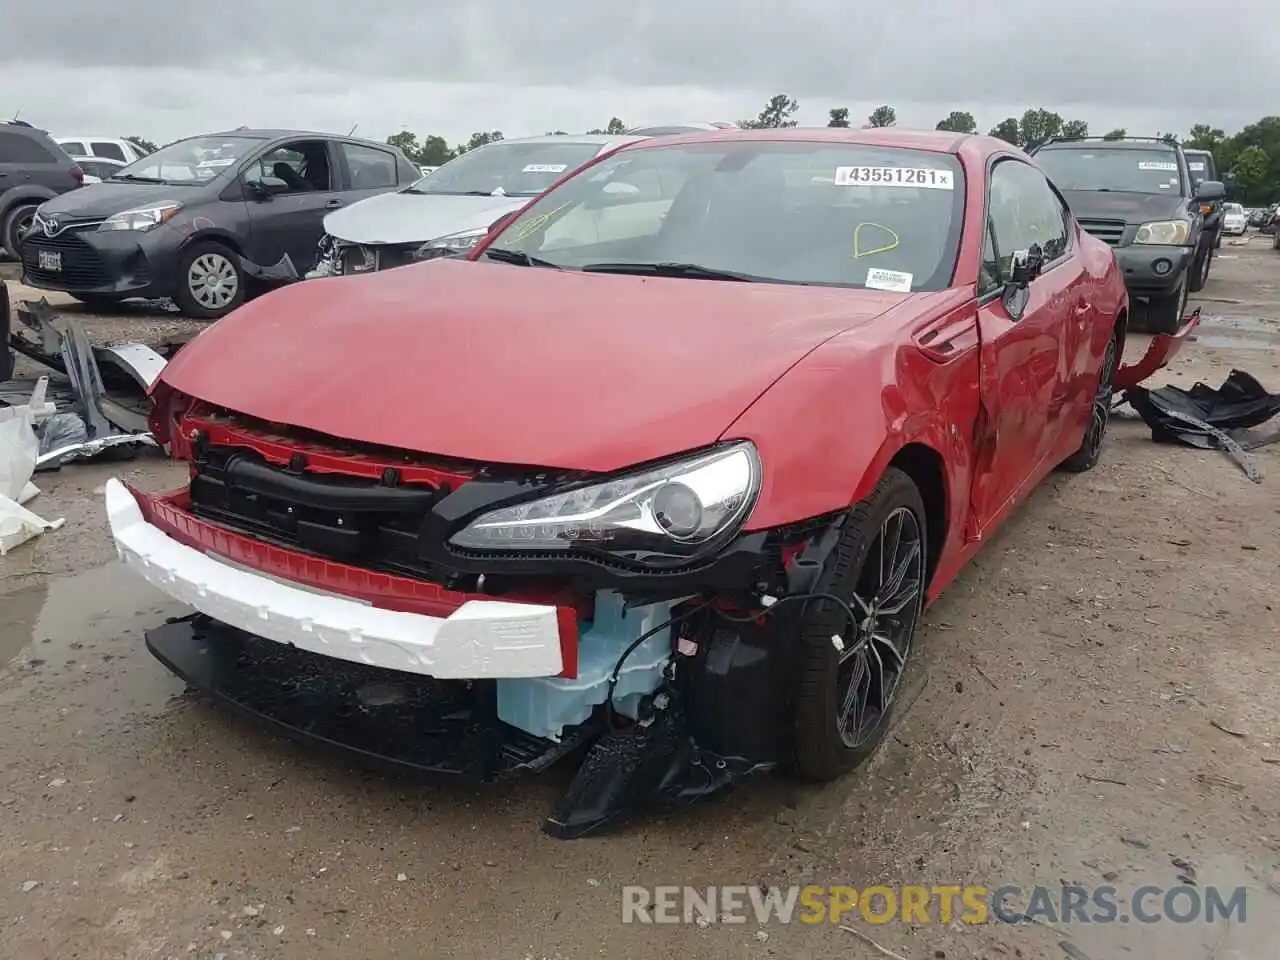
x,y
660,476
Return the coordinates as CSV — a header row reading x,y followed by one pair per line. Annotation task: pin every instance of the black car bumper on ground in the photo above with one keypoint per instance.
x,y
1153,270
114,263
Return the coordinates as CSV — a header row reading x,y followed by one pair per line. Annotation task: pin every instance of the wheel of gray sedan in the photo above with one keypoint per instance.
x,y
15,227
1086,458
847,688
210,282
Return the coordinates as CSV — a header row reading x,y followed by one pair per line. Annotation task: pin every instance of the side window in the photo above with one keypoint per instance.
x,y
73,148
989,277
1023,211
102,148
19,148
369,167
301,166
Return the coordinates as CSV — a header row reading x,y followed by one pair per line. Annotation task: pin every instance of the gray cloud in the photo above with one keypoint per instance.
x,y
1177,60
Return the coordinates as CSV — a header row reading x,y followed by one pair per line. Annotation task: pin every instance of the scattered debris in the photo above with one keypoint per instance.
x,y
884,951
1118,783
30,885
1214,780
402,877
1135,842
1226,729
1072,951
1211,419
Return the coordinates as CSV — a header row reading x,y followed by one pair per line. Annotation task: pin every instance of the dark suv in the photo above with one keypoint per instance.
x,y
1204,167
33,169
200,220
1137,194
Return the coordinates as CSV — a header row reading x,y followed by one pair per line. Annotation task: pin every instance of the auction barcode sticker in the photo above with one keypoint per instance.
x,y
545,168
894,177
1156,165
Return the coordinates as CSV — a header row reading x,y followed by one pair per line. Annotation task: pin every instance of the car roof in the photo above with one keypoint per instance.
x,y
1098,143
265,133
599,139
935,141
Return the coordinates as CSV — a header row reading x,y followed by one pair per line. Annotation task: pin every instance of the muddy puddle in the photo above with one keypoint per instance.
x,y
1237,332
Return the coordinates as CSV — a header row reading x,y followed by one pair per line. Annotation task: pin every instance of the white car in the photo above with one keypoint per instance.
x,y
97,169
109,148
448,212
1234,220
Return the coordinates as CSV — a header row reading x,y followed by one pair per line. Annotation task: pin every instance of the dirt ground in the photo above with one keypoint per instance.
x,y
1095,700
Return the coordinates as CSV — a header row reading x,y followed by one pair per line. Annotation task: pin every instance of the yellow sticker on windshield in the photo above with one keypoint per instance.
x,y
531,226
889,240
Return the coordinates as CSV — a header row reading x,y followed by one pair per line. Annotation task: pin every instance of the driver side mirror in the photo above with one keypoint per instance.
x,y
1208,191
1024,267
256,190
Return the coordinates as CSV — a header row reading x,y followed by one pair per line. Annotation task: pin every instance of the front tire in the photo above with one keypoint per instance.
x,y
845,697
1164,314
1200,271
1090,451
210,281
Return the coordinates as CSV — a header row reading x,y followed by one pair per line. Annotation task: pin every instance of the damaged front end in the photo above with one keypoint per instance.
x,y
480,621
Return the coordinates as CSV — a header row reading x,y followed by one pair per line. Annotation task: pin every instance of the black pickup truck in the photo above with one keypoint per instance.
x,y
1138,194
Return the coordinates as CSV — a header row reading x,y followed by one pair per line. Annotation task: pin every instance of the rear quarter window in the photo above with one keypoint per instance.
x,y
20,148
102,148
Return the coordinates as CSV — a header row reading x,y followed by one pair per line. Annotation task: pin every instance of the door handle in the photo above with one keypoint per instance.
x,y
332,204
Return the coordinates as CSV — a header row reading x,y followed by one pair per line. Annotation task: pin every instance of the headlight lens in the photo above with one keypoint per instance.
x,y
450,245
141,218
672,511
1172,233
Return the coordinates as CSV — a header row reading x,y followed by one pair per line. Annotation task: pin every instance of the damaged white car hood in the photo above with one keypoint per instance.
x,y
416,217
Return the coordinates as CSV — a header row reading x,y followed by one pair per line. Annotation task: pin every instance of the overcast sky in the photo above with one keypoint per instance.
x,y
173,68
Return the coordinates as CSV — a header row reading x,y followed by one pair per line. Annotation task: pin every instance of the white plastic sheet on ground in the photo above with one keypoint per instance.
x,y
18,450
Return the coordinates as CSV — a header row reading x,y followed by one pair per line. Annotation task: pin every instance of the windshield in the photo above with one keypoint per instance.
x,y
515,169
193,161
788,212
1233,208
1201,167
1134,171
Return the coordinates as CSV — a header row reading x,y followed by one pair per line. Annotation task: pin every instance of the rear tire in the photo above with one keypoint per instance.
x,y
859,683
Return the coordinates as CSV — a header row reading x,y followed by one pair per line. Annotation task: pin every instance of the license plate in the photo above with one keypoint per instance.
x,y
51,260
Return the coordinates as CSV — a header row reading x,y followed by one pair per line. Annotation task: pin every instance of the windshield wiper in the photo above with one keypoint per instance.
x,y
691,270
519,258
134,178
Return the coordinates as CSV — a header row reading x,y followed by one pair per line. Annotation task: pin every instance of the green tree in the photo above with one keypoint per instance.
x,y
884,116
1037,126
479,139
1204,137
1170,138
143,144
434,152
839,117
1007,130
958,121
615,127
1119,133
1250,169
407,143
778,112
1075,128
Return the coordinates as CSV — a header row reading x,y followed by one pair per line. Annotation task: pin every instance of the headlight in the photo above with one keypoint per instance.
x,y
1172,233
674,511
450,245
141,218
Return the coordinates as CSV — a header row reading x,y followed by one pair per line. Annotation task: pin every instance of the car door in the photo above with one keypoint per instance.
x,y
366,171
289,188
1025,358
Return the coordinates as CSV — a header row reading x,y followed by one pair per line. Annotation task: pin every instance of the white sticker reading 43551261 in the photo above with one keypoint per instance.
x,y
894,177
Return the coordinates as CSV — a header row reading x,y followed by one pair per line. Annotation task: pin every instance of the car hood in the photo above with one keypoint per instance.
x,y
104,199
517,365
416,217
1122,205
